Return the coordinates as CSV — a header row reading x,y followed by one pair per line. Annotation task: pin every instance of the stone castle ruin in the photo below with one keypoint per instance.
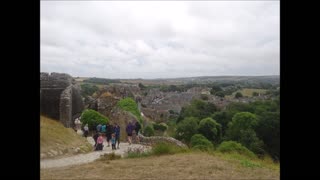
x,y
60,98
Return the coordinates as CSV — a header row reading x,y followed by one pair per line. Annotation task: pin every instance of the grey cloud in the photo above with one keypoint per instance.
x,y
160,39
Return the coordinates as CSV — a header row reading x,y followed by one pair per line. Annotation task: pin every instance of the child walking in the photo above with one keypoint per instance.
x,y
113,141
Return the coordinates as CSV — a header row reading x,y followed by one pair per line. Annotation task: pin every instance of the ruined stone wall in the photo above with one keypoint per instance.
x,y
66,107
60,97
157,139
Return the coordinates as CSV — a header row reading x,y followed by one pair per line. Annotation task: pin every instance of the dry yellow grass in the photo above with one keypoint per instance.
x,y
54,136
193,165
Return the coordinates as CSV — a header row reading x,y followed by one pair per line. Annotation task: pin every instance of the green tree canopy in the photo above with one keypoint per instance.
x,y
210,129
93,118
186,129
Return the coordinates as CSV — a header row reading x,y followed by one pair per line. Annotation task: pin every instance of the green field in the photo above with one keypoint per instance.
x,y
248,92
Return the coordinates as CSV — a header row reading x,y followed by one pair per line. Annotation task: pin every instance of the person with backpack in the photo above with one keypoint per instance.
x,y
103,129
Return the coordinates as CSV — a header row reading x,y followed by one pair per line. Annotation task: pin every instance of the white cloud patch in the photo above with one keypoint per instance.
x,y
141,39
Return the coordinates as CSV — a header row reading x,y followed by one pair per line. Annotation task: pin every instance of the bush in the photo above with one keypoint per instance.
x,y
198,141
160,127
93,118
165,148
232,146
149,131
128,104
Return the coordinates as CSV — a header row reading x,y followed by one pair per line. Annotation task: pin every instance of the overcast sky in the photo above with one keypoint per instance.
x,y
141,39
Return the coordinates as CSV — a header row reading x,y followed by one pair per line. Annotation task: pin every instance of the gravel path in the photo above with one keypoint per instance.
x,y
86,158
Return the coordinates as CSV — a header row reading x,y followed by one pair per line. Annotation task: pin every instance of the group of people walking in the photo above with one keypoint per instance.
x,y
112,133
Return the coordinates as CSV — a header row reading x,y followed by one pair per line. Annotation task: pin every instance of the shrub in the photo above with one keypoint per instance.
x,y
198,141
160,127
128,104
93,118
165,148
232,146
149,131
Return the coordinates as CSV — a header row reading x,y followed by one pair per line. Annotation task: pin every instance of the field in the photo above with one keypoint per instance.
x,y
192,165
248,92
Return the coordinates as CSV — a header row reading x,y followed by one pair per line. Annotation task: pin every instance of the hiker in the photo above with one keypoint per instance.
x,y
99,128
86,130
137,129
95,137
113,141
116,130
99,146
109,131
103,129
129,130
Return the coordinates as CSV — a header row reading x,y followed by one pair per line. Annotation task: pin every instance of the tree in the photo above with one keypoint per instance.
x,y
186,129
241,129
238,95
88,90
197,108
210,129
220,94
270,122
93,118
141,86
128,104
222,118
215,89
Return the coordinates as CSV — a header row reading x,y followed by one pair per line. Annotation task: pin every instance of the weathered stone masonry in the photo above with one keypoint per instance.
x,y
60,97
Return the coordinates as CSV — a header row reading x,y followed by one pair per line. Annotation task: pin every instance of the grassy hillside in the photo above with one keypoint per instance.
x,y
56,140
191,165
